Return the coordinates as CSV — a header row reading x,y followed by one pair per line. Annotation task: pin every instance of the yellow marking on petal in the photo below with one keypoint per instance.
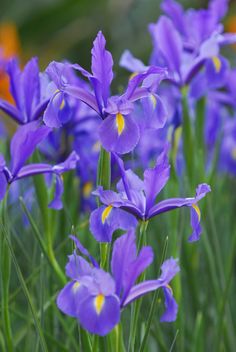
x,y
87,189
233,153
106,213
96,147
99,302
75,286
153,100
217,63
133,75
168,286
120,123
62,104
197,211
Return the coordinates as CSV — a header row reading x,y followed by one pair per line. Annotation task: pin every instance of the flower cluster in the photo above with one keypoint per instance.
x,y
70,115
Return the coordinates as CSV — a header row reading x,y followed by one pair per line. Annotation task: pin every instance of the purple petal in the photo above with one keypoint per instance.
x,y
169,269
24,143
66,300
171,306
56,203
169,42
175,11
169,204
100,320
155,179
132,64
69,164
195,223
51,116
31,86
121,142
3,185
14,73
84,251
105,220
126,265
102,66
10,110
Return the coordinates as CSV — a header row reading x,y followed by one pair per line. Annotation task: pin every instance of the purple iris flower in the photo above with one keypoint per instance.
x,y
118,131
23,145
25,88
186,41
61,107
137,196
96,297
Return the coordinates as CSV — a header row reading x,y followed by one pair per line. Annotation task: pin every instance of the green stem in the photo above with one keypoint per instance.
x,y
153,304
188,138
5,277
104,180
137,304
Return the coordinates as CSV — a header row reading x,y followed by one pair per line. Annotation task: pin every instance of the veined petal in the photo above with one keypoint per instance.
x,y
99,314
66,299
115,219
121,137
102,64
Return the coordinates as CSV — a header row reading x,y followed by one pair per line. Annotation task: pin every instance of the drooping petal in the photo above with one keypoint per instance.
x,y
195,223
169,204
169,269
155,111
67,298
56,203
56,112
107,219
170,305
24,143
99,314
119,134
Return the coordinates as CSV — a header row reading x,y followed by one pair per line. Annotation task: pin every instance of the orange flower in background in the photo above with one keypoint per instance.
x,y
231,24
9,47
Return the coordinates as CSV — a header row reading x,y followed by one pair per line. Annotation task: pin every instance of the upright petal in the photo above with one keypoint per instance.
x,y
31,86
176,13
102,63
168,41
69,164
155,179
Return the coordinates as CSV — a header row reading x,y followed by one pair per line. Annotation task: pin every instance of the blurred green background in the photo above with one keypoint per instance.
x,y
58,29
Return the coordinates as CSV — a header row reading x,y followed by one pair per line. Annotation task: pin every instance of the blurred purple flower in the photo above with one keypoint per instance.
x,y
96,297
